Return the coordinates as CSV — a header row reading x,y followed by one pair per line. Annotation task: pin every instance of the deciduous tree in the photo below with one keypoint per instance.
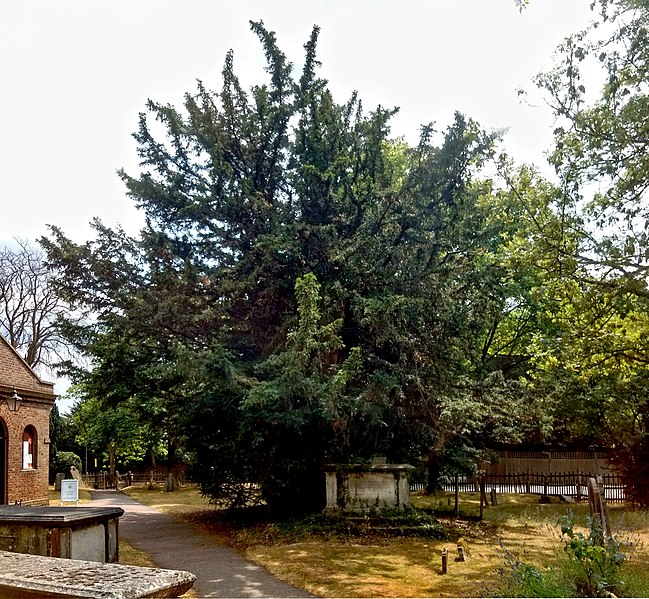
x,y
596,358
30,310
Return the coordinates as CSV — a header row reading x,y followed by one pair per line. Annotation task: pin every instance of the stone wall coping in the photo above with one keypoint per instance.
x,y
344,468
23,576
57,517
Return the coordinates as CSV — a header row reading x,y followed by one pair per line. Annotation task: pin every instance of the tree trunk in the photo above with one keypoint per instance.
x,y
112,462
172,481
434,470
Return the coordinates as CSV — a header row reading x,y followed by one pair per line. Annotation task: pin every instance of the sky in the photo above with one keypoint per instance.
x,y
75,74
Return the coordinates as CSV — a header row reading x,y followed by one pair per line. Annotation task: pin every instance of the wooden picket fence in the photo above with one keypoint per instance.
x,y
102,480
567,484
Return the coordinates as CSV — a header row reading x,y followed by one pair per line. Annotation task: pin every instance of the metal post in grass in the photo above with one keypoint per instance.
x,y
444,561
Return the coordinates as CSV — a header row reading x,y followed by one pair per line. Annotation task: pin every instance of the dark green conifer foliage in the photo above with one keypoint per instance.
x,y
307,289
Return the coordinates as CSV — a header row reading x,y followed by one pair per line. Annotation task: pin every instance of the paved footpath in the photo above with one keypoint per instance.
x,y
177,545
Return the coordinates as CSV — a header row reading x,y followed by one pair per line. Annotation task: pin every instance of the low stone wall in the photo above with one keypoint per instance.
x,y
358,489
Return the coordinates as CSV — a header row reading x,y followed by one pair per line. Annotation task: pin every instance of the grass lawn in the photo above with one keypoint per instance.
x,y
332,565
55,497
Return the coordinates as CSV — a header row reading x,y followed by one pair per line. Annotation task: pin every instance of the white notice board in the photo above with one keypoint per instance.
x,y
70,490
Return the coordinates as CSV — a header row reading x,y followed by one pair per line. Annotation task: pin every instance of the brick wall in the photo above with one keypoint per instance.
x,y
19,484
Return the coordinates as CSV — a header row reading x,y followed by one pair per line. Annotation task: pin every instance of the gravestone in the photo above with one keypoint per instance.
x,y
597,505
76,475
57,481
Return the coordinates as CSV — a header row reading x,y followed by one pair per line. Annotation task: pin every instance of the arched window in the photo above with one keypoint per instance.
x,y
29,448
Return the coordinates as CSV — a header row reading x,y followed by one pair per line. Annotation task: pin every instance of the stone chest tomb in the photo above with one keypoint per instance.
x,y
354,488
85,533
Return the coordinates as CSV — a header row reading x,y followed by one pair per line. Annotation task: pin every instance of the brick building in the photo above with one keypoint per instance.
x,y
25,405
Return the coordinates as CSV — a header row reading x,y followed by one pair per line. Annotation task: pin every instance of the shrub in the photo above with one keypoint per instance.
x,y
63,462
381,523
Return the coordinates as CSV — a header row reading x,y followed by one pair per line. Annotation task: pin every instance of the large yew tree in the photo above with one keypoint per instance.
x,y
307,288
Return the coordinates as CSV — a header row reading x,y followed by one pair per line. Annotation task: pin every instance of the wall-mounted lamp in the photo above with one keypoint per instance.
x,y
14,401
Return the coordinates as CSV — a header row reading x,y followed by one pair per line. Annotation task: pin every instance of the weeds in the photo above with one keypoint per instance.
x,y
590,565
525,580
596,559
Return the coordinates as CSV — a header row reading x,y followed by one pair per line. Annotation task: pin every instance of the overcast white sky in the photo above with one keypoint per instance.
x,y
74,74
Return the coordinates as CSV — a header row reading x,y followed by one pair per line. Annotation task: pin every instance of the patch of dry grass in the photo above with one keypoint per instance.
x,y
401,568
185,500
131,556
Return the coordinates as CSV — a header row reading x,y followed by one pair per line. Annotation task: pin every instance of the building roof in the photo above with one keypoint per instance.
x,y
16,374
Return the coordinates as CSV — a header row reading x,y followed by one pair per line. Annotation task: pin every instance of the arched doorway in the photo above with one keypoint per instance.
x,y
3,461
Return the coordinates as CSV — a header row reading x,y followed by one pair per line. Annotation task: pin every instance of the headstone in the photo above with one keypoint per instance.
x,y
89,533
172,483
597,505
76,475
57,481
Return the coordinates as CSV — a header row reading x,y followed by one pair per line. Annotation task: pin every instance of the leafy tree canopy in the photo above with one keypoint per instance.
x,y
592,252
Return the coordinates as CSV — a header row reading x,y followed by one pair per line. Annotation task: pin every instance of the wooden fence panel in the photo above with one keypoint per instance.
x,y
548,462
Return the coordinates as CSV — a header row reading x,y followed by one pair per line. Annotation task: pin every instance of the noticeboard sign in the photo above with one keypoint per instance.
x,y
70,490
